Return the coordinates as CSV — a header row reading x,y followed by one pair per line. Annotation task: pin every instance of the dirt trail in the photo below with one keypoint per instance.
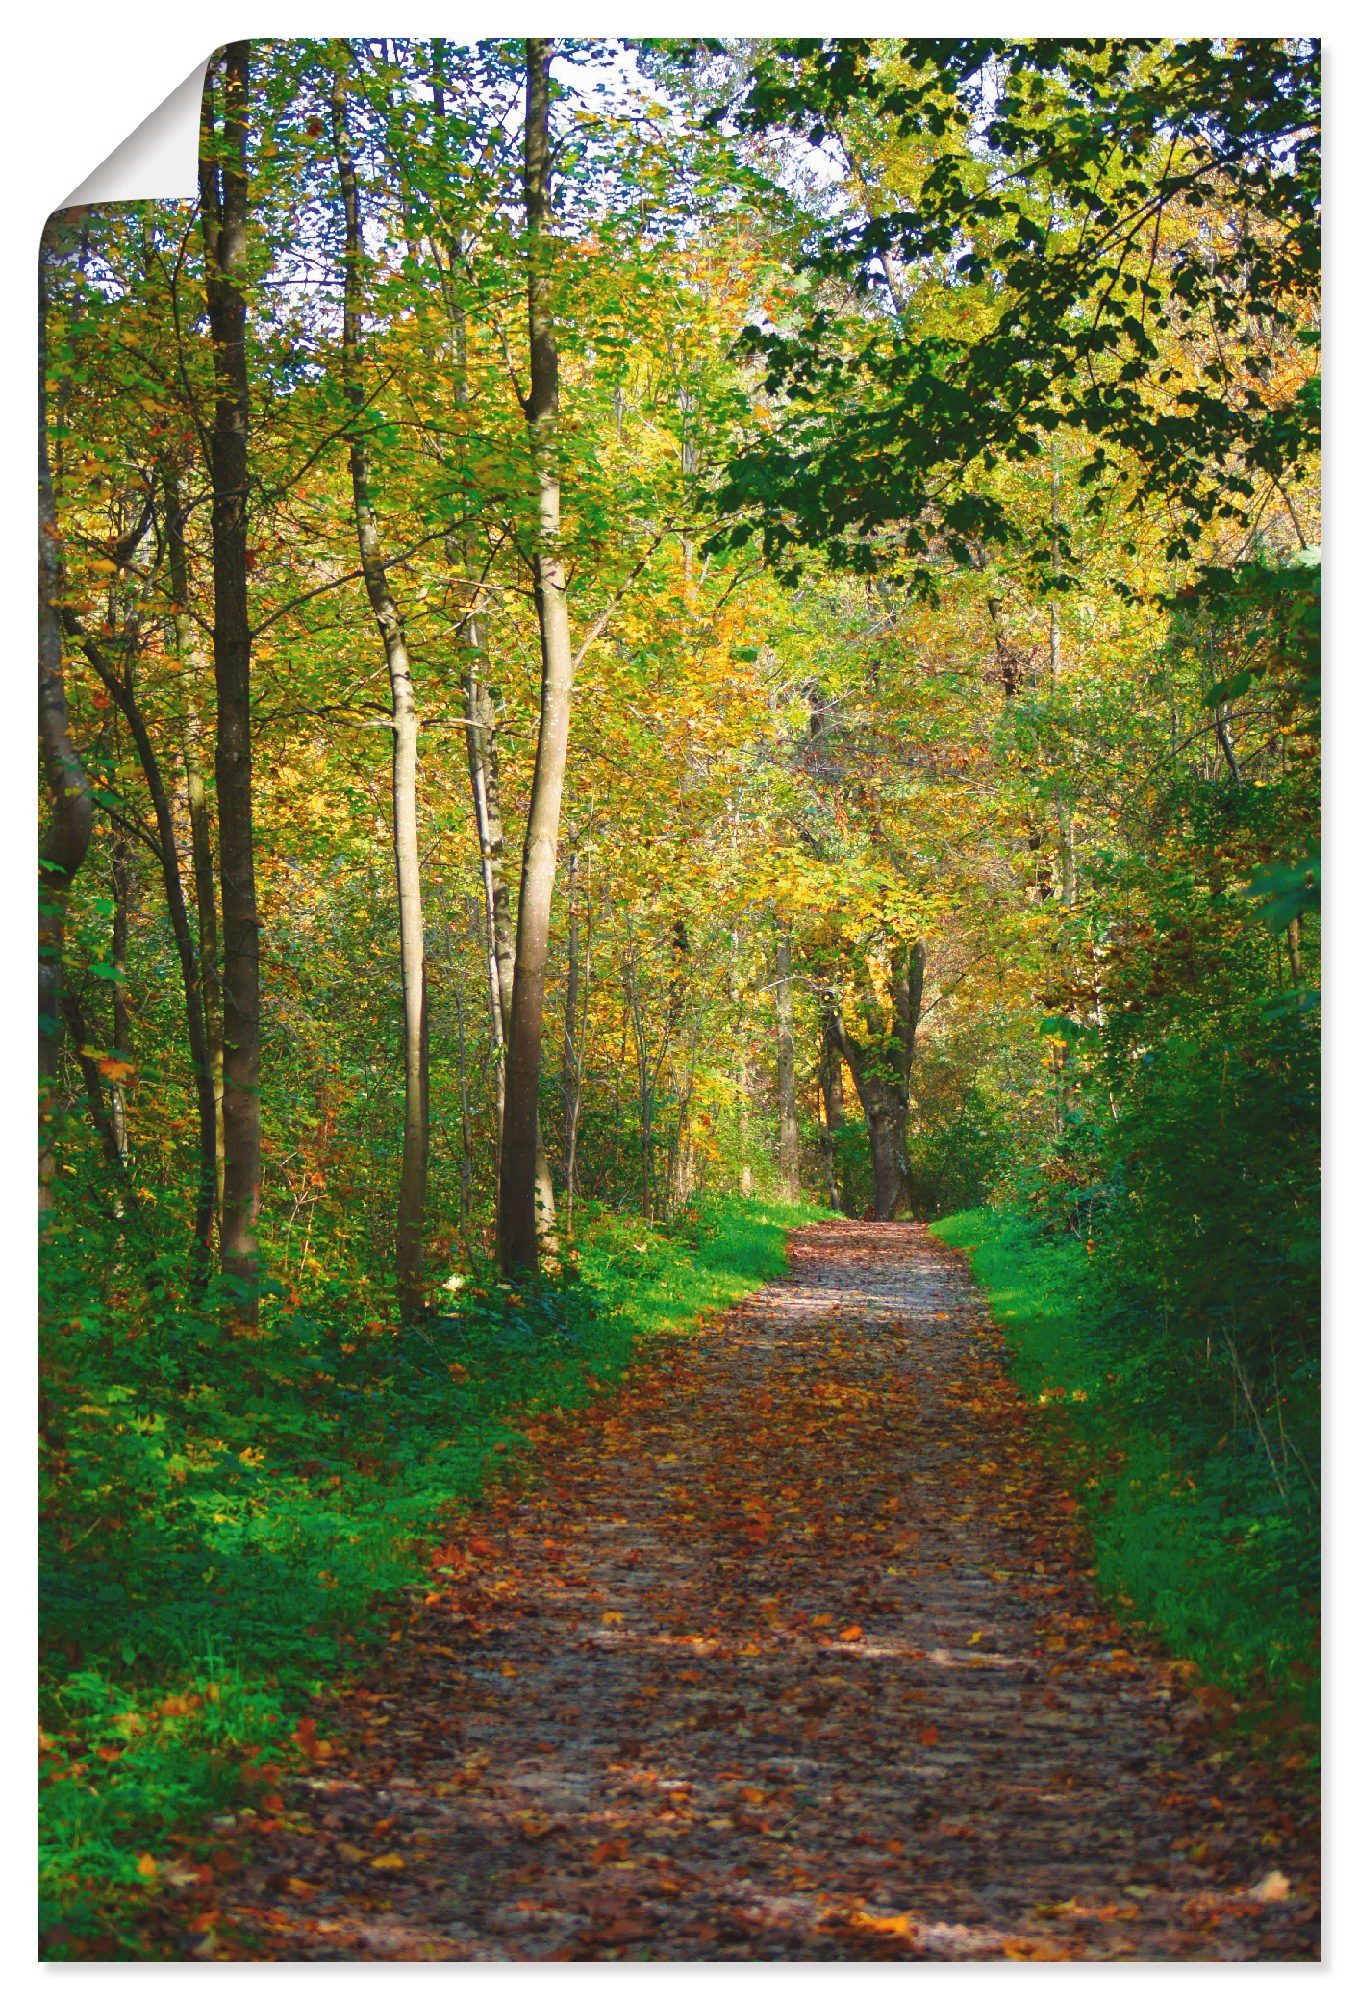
x,y
784,1652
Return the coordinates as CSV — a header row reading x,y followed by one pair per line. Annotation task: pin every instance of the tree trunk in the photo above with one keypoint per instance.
x,y
200,815
519,1178
908,993
1066,839
123,691
576,1022
789,1180
484,777
483,763
884,1109
833,1113
225,199
479,696
410,1221
645,1095
467,1159
71,818
734,995
743,1122
890,1194
101,1111
121,860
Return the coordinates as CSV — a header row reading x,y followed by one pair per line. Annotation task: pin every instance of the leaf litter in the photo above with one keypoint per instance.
x,y
788,1650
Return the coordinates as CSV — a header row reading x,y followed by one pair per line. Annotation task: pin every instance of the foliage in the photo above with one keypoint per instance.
x,y
1190,1532
223,1531
1061,235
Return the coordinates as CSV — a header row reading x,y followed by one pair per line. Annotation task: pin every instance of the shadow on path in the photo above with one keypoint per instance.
x,y
786,1651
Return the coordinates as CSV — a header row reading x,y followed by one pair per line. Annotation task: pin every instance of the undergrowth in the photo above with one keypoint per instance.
x,y
224,1520
1192,1533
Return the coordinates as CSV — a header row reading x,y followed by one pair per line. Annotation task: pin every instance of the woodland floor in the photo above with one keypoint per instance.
x,y
785,1651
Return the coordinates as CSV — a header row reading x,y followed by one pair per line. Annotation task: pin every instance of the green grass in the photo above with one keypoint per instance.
x,y
224,1535
663,1279
1190,1535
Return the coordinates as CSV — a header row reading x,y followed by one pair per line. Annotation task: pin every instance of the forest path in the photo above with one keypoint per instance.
x,y
785,1651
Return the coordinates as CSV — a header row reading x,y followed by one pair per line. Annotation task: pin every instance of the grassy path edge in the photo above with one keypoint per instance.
x,y
135,1765
1183,1544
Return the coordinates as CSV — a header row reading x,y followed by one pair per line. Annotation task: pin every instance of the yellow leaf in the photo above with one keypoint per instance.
x,y
386,1861
146,1864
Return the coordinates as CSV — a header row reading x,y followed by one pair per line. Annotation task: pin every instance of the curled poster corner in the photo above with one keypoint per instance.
x,y
159,161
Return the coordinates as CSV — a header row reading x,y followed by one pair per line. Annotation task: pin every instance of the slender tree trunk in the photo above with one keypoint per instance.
x,y
101,1110
483,768
789,1180
908,993
200,814
833,1113
71,811
479,696
1066,839
467,1159
123,691
410,1220
683,1165
743,1121
483,774
571,999
633,1000
518,1230
121,870
747,1181
483,761
225,202
1054,620
577,1023
1223,733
